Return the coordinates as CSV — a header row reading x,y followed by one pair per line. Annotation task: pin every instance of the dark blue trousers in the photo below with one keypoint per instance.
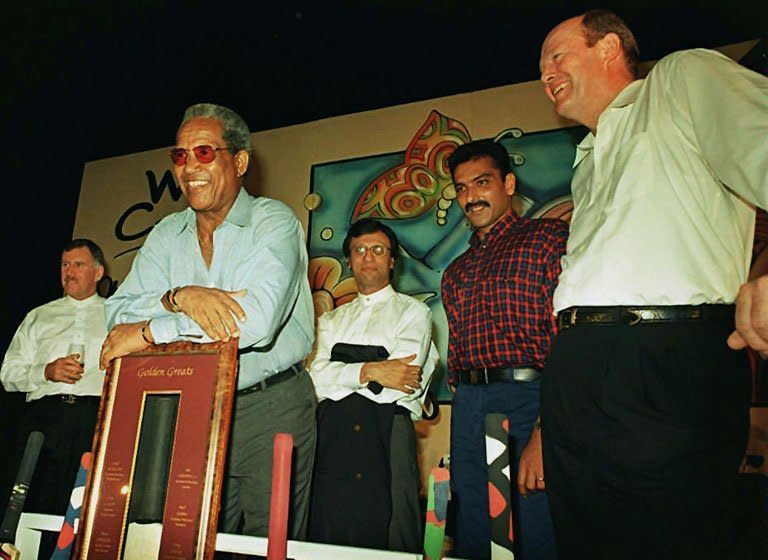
x,y
469,473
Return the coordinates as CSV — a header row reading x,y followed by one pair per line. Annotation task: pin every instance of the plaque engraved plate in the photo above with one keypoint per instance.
x,y
200,378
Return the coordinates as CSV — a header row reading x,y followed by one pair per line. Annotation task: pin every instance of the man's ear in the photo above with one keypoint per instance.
x,y
509,183
241,162
99,272
610,48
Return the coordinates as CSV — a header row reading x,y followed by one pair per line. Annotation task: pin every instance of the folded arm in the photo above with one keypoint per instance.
x,y
28,364
260,293
404,376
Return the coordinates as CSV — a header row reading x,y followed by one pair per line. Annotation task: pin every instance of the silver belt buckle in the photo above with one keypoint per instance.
x,y
68,398
637,316
524,375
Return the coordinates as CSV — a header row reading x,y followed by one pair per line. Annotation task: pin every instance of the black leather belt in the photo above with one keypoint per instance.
x,y
66,398
633,315
274,379
484,376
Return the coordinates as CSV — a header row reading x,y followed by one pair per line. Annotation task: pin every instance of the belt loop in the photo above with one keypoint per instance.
x,y
573,316
485,375
698,312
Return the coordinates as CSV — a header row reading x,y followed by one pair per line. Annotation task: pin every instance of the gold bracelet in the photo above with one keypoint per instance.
x,y
166,302
144,331
169,300
172,300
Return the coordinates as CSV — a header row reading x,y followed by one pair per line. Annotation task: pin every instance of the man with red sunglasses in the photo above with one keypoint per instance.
x,y
230,265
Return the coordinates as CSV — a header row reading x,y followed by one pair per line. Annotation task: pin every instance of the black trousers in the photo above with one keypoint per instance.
x,y
644,427
68,431
365,490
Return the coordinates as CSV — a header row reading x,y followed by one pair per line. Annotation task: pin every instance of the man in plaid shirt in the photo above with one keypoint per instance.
x,y
498,300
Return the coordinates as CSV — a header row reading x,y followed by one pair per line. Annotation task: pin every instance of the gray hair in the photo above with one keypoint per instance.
x,y
236,133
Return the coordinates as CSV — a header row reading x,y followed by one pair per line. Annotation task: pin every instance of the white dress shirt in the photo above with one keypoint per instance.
x,y
663,193
399,323
44,336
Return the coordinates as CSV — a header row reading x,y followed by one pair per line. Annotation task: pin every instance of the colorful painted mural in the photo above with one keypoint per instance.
x,y
412,191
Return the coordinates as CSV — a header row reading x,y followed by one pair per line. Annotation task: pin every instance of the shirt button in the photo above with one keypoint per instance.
x,y
358,476
356,427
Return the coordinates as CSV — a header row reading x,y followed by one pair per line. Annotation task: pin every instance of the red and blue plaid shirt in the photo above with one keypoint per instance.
x,y
498,295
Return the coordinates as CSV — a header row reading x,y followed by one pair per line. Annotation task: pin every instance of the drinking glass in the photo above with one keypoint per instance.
x,y
78,349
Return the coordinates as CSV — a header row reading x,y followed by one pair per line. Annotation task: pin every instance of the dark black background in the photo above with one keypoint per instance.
x,y
87,80
90,80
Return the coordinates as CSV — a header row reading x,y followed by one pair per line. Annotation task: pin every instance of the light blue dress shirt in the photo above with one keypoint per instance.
x,y
260,246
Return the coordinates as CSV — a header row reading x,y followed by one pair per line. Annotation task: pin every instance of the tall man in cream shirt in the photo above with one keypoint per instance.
x,y
61,382
366,484
644,406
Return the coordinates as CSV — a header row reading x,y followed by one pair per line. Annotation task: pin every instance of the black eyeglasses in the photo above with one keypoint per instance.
x,y
203,153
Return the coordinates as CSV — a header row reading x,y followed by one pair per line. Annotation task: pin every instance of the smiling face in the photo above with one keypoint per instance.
x,y
572,73
210,188
80,273
371,272
482,193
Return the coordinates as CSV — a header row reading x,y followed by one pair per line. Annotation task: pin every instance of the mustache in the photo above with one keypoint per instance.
x,y
470,205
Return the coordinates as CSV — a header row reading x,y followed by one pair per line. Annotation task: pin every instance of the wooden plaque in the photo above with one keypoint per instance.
x,y
200,379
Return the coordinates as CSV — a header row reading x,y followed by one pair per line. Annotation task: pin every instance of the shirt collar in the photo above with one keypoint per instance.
x,y
626,97
94,299
376,297
239,215
584,148
499,229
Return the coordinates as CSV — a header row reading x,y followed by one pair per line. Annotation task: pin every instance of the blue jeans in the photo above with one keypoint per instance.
x,y
534,538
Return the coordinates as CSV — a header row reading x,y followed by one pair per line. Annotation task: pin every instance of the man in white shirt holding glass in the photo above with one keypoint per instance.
x,y
53,358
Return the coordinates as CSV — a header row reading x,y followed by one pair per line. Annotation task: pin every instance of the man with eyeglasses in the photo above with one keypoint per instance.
x,y
373,364
231,265
498,302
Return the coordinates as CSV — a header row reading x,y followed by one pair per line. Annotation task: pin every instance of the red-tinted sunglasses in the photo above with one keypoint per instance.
x,y
203,153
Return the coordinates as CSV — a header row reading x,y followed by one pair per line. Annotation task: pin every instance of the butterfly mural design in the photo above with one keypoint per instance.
x,y
422,181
